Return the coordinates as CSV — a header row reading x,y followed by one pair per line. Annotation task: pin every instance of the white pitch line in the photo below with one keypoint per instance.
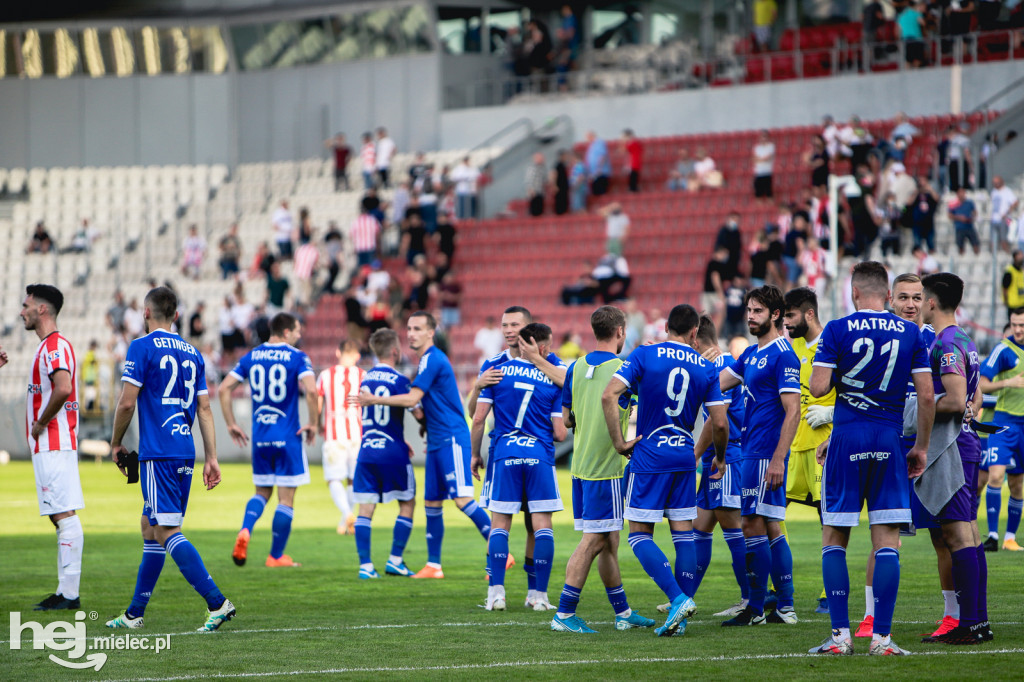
x,y
532,664
399,626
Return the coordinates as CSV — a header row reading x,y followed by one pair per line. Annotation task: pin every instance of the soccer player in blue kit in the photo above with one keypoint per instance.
x,y
165,377
770,374
275,371
868,357
383,472
447,473
512,320
719,493
527,421
671,381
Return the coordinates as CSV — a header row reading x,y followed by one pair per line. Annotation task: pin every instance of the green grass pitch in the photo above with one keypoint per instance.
x,y
319,621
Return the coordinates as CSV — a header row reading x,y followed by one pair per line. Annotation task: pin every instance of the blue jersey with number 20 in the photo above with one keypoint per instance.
x,y
170,374
274,371
671,382
383,439
872,356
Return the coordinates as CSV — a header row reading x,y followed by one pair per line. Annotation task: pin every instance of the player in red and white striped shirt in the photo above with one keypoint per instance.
x,y
342,427
51,426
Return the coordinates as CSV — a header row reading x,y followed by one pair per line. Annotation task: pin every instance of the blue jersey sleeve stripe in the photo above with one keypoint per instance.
x,y
306,373
235,375
203,391
556,414
921,370
825,364
716,402
789,390
731,371
482,399
132,381
621,378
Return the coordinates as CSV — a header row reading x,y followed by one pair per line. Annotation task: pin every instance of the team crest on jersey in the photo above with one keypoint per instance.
x,y
762,363
948,359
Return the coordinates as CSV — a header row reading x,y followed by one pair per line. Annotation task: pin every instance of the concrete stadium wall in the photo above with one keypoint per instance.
x,y
747,107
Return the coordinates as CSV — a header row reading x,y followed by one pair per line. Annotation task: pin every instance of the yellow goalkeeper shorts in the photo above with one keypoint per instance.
x,y
804,476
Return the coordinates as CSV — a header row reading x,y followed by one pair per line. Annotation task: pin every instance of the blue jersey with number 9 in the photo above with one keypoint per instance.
x,y
383,439
671,382
170,374
872,356
274,371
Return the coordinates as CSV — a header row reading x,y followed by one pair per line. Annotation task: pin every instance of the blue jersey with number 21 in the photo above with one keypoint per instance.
x,y
274,371
872,355
671,382
170,374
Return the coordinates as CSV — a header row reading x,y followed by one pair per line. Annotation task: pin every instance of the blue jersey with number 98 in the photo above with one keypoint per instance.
x,y
671,382
872,356
383,439
170,374
274,371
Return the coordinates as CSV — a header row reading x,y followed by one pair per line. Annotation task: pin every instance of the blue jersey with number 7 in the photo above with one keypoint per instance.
x,y
872,356
524,401
671,382
274,371
171,375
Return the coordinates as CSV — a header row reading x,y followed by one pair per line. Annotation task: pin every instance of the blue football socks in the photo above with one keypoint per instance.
x,y
655,563
836,577
497,550
253,511
543,557
403,527
363,539
686,561
479,517
702,551
282,528
759,564
191,566
153,557
738,549
435,533
782,570
886,586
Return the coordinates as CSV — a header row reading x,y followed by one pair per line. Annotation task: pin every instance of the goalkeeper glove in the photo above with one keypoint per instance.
x,y
819,415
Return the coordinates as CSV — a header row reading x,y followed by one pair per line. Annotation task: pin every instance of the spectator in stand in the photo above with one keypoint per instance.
x,y
230,248
988,14
449,294
83,238
873,19
305,232
134,322
910,28
399,202
830,135
277,290
616,227
612,276
560,181
1004,202
958,154
307,261
427,188
536,184
904,130
283,229
796,242
729,238
765,14
963,213
341,153
226,325
959,14
766,258
445,237
261,261
888,219
384,152
363,233
583,290
414,238
465,177
706,174
368,160
813,263
942,154
371,203
193,251
635,152
856,137
926,263
763,158
578,185
334,247
489,339
735,308
418,168
259,326
567,49
40,241
922,217
599,167
716,274
196,328
115,313
682,175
